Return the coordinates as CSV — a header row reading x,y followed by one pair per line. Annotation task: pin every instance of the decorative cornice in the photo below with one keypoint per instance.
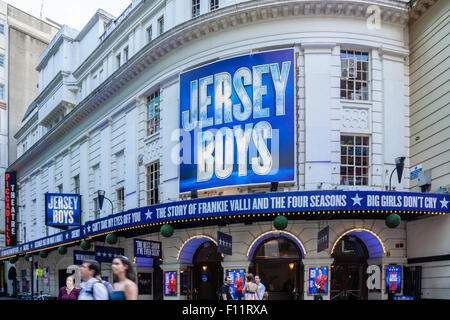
x,y
419,8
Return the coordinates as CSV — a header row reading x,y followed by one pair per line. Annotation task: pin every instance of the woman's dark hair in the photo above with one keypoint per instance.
x,y
129,273
250,277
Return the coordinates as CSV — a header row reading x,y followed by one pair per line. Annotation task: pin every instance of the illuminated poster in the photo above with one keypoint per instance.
x,y
318,280
237,283
10,209
170,283
144,283
393,279
237,122
62,210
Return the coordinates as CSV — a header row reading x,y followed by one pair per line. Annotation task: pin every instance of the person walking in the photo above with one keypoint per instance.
x,y
125,287
225,290
69,292
261,287
105,283
251,289
91,288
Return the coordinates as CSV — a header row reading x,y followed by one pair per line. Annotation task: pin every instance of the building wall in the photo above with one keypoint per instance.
x,y
109,129
430,139
430,238
429,94
28,37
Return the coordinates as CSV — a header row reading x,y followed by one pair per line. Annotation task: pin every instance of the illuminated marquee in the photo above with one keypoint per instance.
x,y
62,210
237,120
10,209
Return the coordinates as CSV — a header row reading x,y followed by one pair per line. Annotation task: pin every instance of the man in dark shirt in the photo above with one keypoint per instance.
x,y
225,291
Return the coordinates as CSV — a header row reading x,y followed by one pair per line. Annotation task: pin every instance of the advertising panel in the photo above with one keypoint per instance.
x,y
224,243
147,249
107,254
10,209
80,256
251,205
233,114
237,283
170,283
62,210
318,280
394,279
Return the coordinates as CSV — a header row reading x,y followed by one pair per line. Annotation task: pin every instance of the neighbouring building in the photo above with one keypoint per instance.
x,y
429,239
22,39
211,138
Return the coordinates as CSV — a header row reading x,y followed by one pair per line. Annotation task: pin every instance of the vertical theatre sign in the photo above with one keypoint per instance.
x,y
11,209
237,122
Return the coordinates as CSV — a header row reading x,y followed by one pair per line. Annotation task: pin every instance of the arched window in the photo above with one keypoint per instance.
x,y
350,247
207,253
277,248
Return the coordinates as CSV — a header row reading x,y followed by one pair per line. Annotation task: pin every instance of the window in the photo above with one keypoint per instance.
x,y
354,75
97,178
120,196
153,113
96,209
2,60
161,25
76,183
195,8
2,28
118,62
354,160
94,82
153,184
59,188
149,34
2,92
120,167
213,4
125,54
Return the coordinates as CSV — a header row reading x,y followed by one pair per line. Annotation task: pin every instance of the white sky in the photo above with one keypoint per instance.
x,y
74,13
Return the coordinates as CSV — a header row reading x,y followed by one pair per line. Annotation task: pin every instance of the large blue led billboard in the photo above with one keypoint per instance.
x,y
238,122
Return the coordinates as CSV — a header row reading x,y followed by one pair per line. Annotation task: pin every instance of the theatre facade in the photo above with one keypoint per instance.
x,y
205,139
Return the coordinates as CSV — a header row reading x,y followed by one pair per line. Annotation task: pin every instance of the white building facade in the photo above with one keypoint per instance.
x,y
108,110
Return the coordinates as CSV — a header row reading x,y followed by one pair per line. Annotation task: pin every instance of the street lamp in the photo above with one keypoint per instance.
x,y
399,165
101,198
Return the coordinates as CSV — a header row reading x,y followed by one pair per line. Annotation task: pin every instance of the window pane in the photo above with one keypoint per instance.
x,y
366,141
347,140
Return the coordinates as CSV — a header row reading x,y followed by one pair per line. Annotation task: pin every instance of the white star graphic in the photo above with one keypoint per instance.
x,y
89,228
357,200
444,203
148,215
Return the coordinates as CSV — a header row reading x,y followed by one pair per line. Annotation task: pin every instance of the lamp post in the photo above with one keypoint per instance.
x,y
399,165
101,198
